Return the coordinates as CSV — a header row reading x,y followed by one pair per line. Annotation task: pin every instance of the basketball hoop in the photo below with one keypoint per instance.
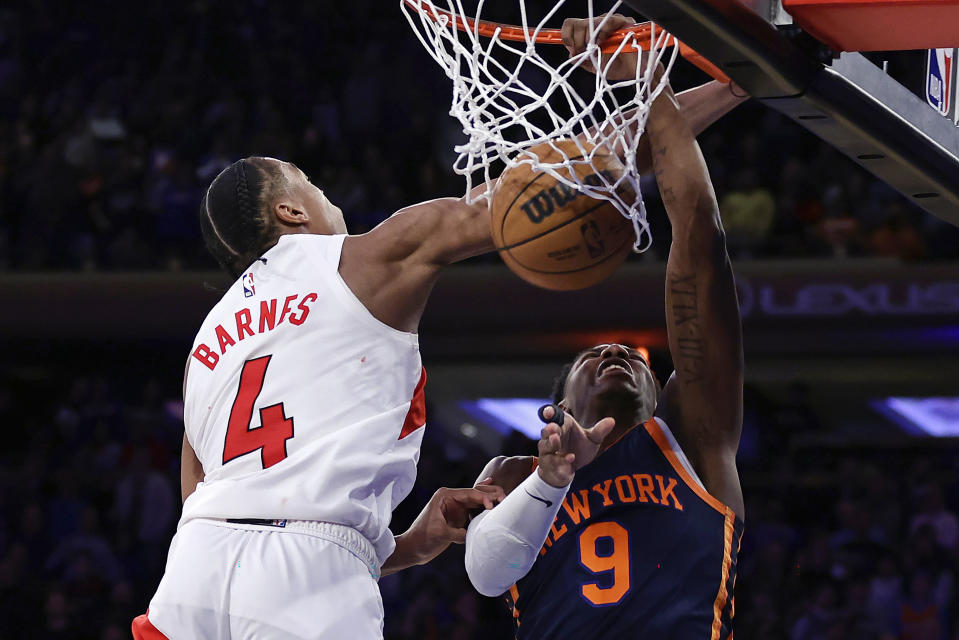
x,y
493,66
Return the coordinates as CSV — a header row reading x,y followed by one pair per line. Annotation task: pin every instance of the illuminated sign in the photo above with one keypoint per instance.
x,y
937,417
505,414
842,299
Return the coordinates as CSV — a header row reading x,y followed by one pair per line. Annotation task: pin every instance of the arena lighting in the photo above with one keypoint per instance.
x,y
508,414
587,339
937,417
942,334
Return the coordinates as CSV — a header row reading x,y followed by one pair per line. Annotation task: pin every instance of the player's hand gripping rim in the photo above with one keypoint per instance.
x,y
621,66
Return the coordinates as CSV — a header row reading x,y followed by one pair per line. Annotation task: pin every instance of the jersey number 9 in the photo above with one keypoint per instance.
x,y
615,562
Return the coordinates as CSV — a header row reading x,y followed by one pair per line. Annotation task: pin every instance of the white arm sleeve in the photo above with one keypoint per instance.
x,y
501,544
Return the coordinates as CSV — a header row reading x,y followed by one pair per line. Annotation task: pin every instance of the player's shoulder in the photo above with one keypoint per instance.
x,y
316,245
508,471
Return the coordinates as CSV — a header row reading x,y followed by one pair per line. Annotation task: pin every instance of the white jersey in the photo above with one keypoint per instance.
x,y
300,404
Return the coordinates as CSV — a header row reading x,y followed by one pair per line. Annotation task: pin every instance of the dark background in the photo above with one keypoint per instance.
x,y
114,118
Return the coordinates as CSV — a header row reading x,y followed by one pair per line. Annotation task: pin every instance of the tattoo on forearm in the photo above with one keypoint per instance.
x,y
686,328
666,191
667,194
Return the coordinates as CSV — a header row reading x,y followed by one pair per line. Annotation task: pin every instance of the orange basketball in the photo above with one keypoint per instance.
x,y
552,235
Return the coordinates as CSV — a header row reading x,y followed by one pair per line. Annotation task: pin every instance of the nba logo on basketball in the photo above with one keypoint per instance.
x,y
940,79
248,289
593,239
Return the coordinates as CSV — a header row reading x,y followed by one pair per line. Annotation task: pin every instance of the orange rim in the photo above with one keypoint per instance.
x,y
515,33
642,34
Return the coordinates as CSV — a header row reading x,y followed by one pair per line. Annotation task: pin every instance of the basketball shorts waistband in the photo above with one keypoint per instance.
x,y
339,534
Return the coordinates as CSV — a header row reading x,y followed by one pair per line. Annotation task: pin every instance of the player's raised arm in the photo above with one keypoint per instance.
x,y
704,395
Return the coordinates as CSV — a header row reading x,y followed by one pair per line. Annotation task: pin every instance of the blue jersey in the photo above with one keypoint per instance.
x,y
639,550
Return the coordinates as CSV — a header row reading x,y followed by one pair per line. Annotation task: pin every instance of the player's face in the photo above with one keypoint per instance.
x,y
325,217
607,371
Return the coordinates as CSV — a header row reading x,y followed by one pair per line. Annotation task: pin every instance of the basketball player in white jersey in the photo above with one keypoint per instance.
x,y
304,409
304,413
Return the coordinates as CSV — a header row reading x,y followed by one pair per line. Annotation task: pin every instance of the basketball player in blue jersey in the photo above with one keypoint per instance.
x,y
628,524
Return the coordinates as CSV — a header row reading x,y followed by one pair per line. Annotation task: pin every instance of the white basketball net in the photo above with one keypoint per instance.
x,y
503,116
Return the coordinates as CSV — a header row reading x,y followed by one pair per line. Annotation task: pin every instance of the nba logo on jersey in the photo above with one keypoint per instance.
x,y
248,289
940,78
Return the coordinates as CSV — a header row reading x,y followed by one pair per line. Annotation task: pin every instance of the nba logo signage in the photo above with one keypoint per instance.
x,y
941,80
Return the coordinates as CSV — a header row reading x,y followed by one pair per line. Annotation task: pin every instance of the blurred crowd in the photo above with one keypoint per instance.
x,y
840,543
844,540
114,118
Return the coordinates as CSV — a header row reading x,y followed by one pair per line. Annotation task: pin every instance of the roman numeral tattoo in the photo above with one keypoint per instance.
x,y
686,328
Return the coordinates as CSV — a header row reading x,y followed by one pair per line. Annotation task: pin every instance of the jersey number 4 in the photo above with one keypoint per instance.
x,y
613,558
275,428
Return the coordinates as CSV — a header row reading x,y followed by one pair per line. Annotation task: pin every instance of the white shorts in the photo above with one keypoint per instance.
x,y
227,581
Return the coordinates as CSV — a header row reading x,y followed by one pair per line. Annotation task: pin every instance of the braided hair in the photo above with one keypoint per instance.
x,y
235,213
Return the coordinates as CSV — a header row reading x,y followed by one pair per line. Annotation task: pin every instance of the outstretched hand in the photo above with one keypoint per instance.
x,y
441,522
445,517
564,449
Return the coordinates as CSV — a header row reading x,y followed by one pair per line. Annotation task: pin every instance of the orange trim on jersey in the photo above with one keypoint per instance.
x,y
535,464
514,594
416,416
723,593
652,427
143,629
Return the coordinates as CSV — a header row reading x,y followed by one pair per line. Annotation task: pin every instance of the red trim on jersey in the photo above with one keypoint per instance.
x,y
416,416
143,629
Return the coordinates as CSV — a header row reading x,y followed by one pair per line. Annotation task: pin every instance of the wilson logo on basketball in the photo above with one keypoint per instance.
x,y
545,203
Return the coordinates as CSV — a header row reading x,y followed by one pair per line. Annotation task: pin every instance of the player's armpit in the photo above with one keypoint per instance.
x,y
191,471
